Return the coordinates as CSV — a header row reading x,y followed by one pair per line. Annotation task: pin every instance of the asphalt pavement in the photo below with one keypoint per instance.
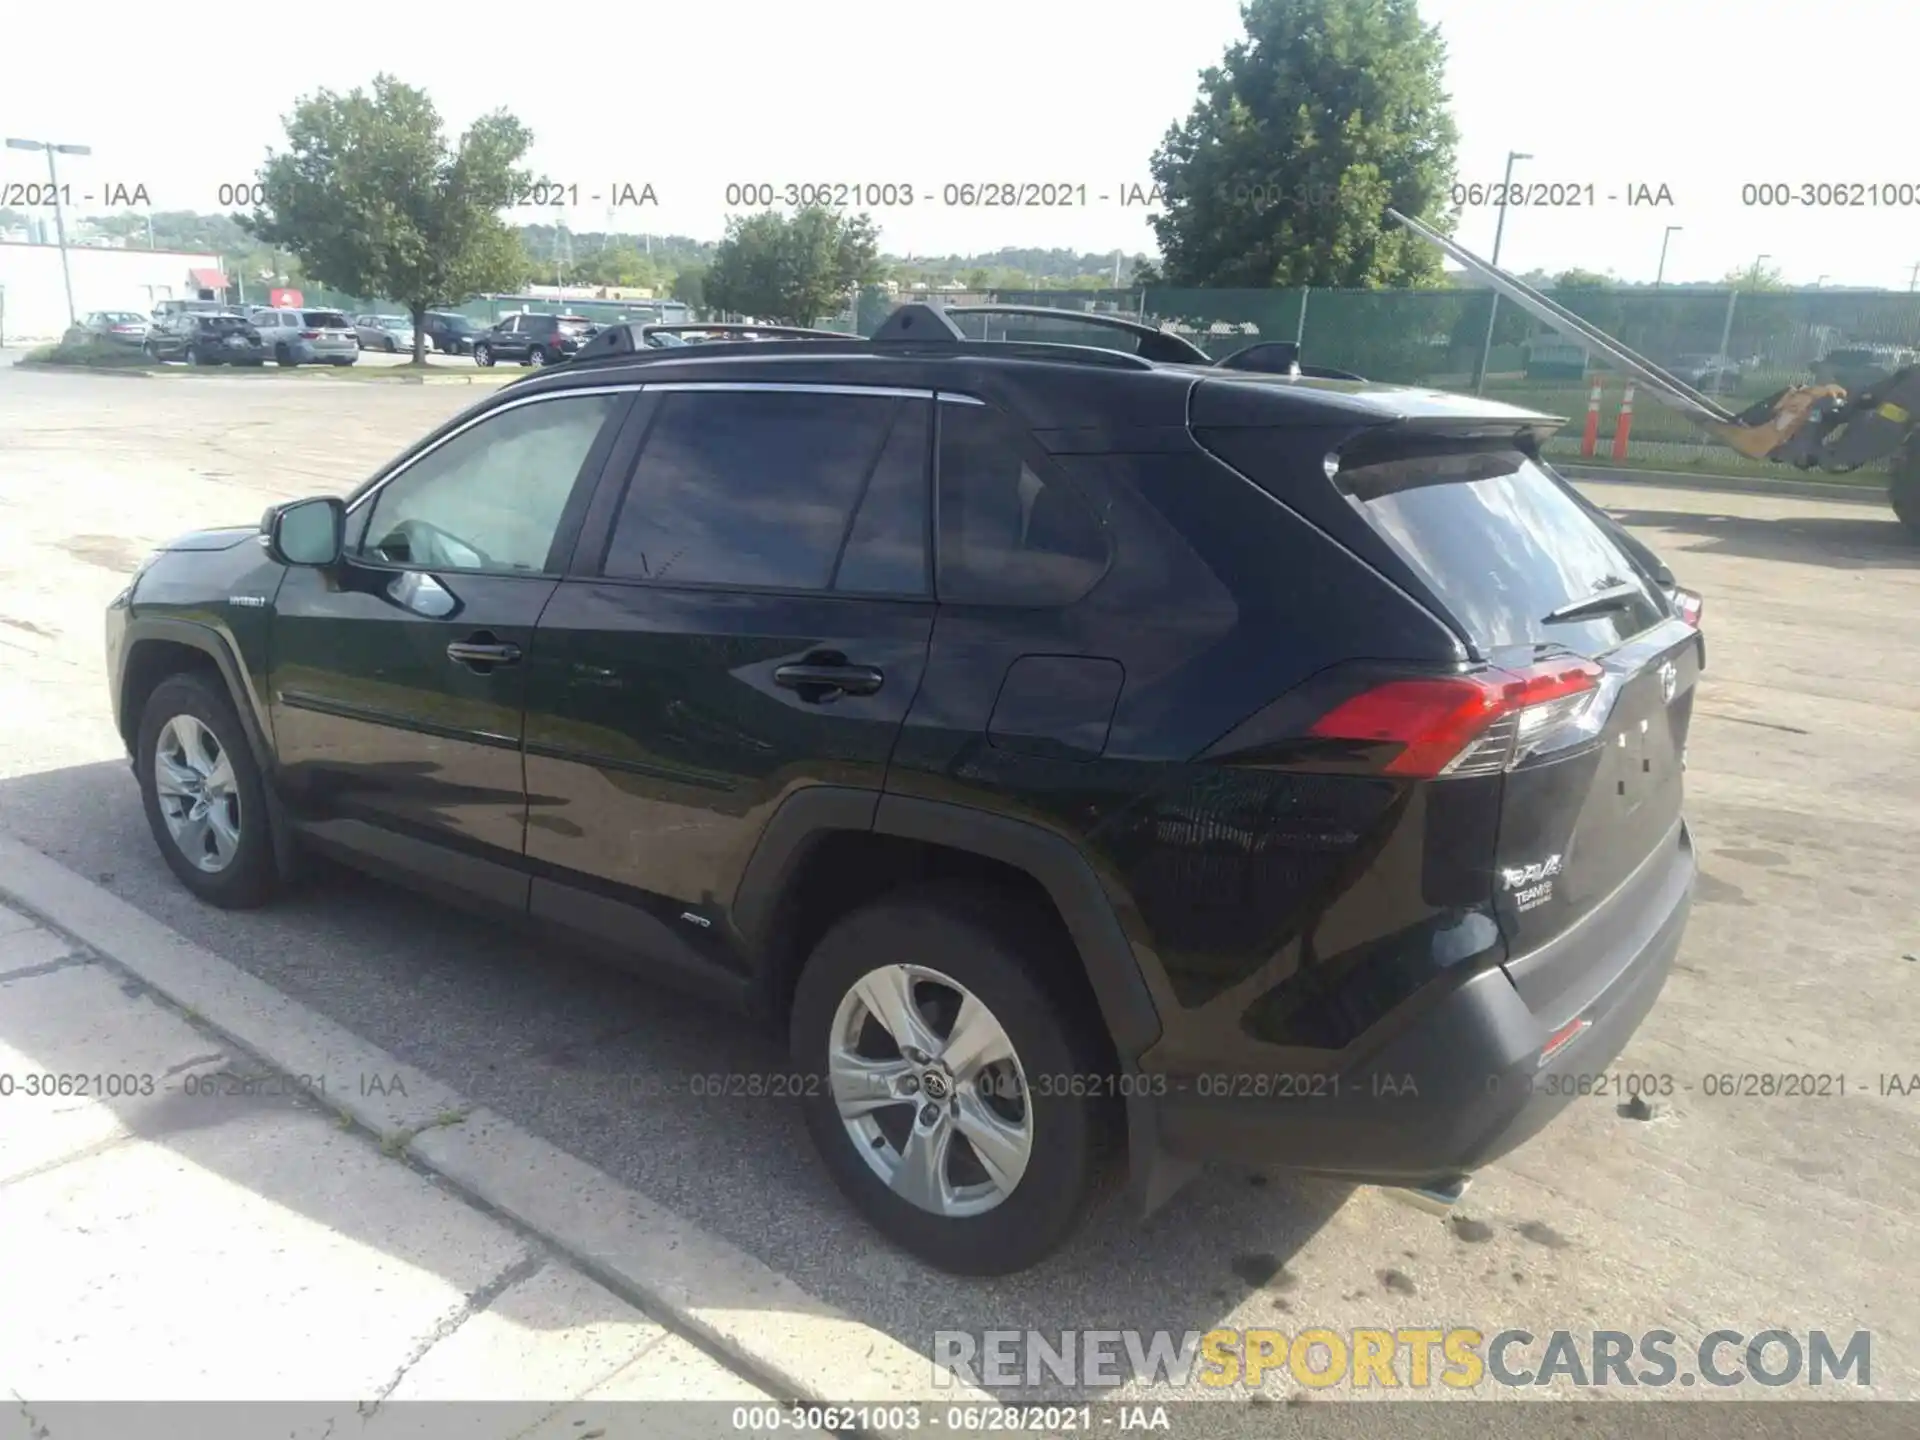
x,y
1738,1212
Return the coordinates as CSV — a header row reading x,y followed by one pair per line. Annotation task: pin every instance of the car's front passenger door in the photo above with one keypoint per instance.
x,y
396,678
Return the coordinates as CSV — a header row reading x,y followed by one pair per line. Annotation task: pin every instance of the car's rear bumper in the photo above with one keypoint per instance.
x,y
1458,1082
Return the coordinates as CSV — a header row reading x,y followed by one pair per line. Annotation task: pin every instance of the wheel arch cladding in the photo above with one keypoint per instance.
x,y
829,850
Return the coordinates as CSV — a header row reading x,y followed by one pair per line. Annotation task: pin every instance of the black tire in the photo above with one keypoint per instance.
x,y
483,356
393,346
250,878
1904,490
193,356
974,937
283,356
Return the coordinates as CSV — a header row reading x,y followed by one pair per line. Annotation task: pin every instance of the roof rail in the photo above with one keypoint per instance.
x,y
913,329
1155,343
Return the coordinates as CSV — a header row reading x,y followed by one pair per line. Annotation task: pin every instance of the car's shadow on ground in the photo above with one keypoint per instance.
x,y
637,1079
1860,539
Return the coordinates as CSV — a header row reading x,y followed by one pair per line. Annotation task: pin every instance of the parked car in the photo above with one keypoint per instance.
x,y
194,307
1707,372
308,337
391,333
451,333
1245,767
532,339
199,339
109,327
1855,367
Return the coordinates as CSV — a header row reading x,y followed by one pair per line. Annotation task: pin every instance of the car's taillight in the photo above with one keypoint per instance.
x,y
1688,606
1475,724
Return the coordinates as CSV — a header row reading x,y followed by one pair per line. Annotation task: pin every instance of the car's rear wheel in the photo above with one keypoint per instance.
x,y
194,357
483,355
284,356
952,1094
1904,489
203,793
393,346
536,356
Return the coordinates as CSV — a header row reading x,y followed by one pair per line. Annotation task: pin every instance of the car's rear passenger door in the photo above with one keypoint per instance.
x,y
747,616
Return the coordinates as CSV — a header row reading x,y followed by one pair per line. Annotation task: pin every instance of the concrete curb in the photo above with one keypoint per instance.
x,y
1866,494
774,1332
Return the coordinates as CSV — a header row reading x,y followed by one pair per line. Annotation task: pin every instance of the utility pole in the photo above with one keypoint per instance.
x,y
1913,277
1665,240
59,211
1493,296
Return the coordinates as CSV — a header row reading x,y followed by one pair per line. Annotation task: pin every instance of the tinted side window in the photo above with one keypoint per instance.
x,y
751,488
1008,537
886,550
490,498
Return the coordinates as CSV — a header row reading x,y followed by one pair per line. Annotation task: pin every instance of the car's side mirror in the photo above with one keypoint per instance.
x,y
306,532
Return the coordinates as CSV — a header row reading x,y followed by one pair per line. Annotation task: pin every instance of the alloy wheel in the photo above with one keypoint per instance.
x,y
930,1090
199,798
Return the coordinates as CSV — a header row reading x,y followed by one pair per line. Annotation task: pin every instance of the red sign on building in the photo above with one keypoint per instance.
x,y
284,299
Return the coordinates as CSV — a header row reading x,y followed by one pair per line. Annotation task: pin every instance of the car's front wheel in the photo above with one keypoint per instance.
x,y
203,793
951,1092
483,355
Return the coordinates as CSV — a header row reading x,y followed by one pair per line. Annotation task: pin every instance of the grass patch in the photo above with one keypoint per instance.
x,y
89,357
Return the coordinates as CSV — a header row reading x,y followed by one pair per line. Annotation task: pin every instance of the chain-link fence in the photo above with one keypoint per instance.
x,y
1739,345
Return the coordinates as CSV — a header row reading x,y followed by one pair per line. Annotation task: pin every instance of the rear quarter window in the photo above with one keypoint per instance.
x,y
1009,535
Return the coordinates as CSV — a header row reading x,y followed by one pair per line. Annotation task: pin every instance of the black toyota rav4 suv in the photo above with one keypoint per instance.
x,y
1078,752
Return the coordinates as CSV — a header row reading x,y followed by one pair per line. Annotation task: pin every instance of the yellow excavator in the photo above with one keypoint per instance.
x,y
1810,427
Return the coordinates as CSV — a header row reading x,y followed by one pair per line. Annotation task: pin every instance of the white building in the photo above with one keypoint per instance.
x,y
33,297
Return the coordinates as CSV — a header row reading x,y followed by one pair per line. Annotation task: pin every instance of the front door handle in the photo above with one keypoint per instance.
x,y
818,684
483,651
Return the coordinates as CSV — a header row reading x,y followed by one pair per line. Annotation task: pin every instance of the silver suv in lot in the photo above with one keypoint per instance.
x,y
308,337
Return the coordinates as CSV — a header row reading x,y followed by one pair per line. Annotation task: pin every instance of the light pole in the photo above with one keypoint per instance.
x,y
1726,330
59,214
1913,277
1493,296
1665,240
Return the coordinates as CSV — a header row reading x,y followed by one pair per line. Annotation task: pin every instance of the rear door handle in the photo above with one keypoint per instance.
x,y
482,652
817,683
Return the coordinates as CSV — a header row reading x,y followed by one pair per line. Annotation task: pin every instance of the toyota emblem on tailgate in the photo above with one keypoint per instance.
x,y
1669,680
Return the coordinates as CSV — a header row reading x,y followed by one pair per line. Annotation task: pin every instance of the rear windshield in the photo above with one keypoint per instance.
x,y
325,320
573,325
1505,548
224,322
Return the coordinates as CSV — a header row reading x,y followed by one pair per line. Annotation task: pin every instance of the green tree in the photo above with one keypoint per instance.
x,y
1755,277
374,200
689,286
1326,114
791,271
1577,279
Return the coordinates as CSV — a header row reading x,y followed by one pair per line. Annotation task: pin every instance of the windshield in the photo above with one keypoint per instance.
x,y
325,320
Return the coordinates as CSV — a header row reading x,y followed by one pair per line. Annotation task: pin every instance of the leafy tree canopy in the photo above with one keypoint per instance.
x,y
1755,277
1326,114
374,200
791,271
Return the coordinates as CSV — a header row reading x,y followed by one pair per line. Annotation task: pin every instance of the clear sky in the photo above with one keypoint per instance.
x,y
1700,96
